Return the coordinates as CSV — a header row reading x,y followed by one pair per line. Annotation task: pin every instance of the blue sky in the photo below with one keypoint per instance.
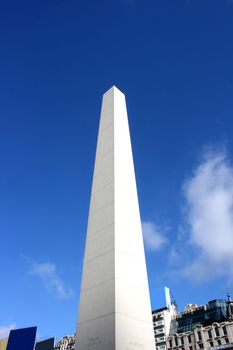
x,y
173,60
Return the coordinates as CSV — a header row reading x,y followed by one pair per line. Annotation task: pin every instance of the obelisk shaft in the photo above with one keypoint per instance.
x,y
114,309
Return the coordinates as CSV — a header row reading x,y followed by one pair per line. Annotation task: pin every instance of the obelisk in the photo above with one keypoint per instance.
x,y
114,308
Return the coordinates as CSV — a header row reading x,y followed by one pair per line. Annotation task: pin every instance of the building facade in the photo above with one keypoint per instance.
x,y
66,343
161,323
3,343
198,327
217,310
216,335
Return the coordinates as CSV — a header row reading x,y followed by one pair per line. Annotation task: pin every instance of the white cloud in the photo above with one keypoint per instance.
x,y
209,212
48,274
5,330
153,238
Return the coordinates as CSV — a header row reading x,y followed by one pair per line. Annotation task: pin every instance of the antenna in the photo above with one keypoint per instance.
x,y
173,301
227,292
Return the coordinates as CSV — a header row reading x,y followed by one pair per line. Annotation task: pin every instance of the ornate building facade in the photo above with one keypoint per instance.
x,y
66,343
216,335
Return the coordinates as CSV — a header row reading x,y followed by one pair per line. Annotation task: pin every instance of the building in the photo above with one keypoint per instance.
x,y
207,326
217,310
114,306
161,322
66,343
46,344
3,343
214,336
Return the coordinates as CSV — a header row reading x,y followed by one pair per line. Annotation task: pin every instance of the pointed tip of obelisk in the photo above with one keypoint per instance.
x,y
114,90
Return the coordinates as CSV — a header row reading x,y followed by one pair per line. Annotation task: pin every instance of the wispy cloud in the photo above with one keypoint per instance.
x,y
153,237
47,273
209,213
5,330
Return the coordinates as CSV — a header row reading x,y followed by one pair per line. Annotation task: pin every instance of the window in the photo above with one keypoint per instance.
x,y
226,340
190,348
159,339
211,343
224,328
189,339
219,341
217,332
176,341
201,346
209,334
182,341
199,335
170,343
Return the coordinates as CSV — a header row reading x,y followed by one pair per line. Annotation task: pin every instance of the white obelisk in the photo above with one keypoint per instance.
x,y
114,308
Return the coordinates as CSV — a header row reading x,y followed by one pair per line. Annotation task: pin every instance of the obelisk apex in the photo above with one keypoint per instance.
x,y
114,309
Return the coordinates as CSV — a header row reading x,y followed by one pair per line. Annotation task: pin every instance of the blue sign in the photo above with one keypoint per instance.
x,y
22,339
